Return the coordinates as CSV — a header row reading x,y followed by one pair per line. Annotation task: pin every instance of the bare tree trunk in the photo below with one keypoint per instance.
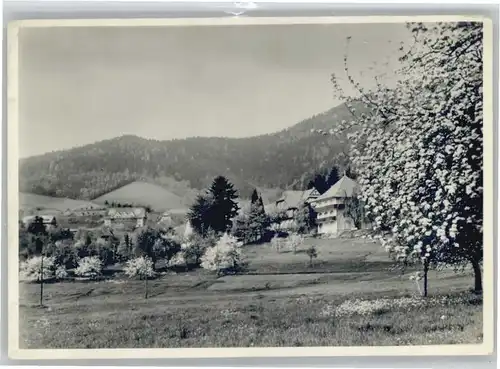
x,y
146,288
41,282
478,283
426,279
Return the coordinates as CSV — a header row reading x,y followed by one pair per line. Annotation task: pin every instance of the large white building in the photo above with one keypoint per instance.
x,y
330,207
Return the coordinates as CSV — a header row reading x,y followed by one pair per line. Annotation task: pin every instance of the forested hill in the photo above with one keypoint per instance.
x,y
286,159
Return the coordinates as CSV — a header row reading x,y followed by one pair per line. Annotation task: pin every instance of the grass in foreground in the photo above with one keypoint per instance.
x,y
280,302
184,312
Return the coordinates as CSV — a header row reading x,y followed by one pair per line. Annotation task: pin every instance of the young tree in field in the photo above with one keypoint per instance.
x,y
419,148
294,241
141,267
89,267
225,257
39,238
35,271
312,253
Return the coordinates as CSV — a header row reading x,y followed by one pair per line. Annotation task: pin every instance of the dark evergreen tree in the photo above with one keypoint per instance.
x,y
38,233
224,207
319,182
255,196
200,214
333,177
305,219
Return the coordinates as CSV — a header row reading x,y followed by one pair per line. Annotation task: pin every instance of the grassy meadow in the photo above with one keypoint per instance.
x,y
349,297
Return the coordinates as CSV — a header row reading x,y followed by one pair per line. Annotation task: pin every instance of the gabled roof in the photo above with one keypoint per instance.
x,y
345,187
127,213
291,199
312,193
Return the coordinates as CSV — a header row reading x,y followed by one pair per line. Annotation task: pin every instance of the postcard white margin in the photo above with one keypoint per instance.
x,y
485,348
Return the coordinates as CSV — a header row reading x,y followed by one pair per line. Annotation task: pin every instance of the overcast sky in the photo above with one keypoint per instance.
x,y
81,85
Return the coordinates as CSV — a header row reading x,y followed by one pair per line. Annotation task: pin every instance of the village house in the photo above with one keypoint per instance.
x,y
330,207
289,203
48,220
132,217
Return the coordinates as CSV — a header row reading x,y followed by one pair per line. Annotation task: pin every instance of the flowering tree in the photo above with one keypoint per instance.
x,y
141,267
38,269
418,148
89,266
294,241
277,243
225,256
32,268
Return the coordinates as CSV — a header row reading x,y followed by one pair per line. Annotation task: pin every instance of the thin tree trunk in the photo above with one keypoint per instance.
x,y
41,282
146,287
426,279
478,283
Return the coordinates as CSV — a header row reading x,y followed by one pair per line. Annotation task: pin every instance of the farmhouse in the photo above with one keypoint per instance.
x,y
126,217
88,211
290,202
330,207
48,220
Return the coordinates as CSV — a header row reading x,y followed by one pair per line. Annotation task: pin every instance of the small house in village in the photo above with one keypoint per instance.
x,y
126,217
48,220
289,203
330,207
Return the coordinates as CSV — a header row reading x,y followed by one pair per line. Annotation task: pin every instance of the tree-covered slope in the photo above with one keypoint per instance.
x,y
286,159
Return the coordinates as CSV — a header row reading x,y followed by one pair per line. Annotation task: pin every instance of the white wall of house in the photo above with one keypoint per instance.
x,y
327,228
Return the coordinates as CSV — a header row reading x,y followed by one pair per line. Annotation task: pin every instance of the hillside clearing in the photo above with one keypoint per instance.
x,y
47,204
144,194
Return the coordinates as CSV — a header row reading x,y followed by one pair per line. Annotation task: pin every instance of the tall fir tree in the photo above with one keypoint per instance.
x,y
224,207
255,196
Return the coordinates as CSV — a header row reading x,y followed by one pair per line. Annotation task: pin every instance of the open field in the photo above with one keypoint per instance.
x,y
281,302
143,193
50,205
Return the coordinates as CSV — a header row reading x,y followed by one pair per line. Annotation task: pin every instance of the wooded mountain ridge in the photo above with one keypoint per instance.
x,y
288,159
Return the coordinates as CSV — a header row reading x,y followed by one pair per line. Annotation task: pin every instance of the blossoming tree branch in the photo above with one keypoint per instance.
x,y
418,148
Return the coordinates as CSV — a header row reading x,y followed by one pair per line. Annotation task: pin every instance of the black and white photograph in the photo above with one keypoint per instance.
x,y
251,183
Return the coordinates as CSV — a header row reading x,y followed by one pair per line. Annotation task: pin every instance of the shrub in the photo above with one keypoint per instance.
x,y
224,257
89,267
294,241
141,267
65,253
312,253
61,272
31,269
277,243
